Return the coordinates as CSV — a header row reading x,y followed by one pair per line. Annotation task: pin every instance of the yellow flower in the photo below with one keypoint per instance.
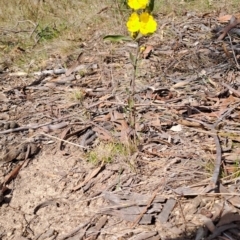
x,y
138,4
145,23
133,23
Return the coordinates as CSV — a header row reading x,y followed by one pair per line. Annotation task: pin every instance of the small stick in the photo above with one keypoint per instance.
x,y
24,128
146,208
234,55
233,23
62,140
236,92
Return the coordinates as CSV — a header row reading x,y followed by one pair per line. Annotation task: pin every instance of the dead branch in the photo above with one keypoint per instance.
x,y
233,23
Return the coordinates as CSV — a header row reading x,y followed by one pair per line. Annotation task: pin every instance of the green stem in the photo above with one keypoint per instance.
x,y
132,101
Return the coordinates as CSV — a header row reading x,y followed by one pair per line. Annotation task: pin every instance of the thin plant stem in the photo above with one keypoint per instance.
x,y
132,93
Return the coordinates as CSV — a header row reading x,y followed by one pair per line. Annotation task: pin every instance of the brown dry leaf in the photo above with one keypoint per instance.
x,y
19,152
13,174
155,122
115,115
152,119
234,200
218,231
62,79
189,191
89,177
208,147
125,131
207,222
233,136
102,133
63,136
180,84
121,125
226,18
189,123
133,197
146,219
94,231
105,97
75,65
54,127
166,211
183,52
78,231
147,52
146,235
228,218
103,118
233,23
192,207
225,102
231,157
157,140
4,116
3,97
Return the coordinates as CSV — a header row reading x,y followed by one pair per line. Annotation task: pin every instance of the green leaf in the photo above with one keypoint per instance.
x,y
117,38
151,6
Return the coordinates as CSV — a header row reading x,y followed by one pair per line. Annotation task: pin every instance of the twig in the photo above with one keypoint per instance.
x,y
183,216
23,128
36,26
236,92
234,55
75,230
218,160
233,23
146,208
62,140
16,31
30,127
217,167
221,229
226,114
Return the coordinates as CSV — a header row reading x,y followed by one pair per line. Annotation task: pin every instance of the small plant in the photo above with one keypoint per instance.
x,y
140,23
46,33
77,95
107,152
209,166
234,170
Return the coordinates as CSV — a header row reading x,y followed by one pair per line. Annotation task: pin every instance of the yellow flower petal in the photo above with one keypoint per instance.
x,y
147,24
138,4
133,23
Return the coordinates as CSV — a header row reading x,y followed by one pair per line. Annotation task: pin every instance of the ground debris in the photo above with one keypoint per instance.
x,y
72,125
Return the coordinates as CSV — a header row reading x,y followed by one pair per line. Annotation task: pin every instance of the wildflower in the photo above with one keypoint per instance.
x,y
133,23
138,4
145,23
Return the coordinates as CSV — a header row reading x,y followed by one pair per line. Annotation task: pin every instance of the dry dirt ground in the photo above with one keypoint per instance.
x,y
70,167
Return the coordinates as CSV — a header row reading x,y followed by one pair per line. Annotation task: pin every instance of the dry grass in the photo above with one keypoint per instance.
x,y
201,6
33,30
108,152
